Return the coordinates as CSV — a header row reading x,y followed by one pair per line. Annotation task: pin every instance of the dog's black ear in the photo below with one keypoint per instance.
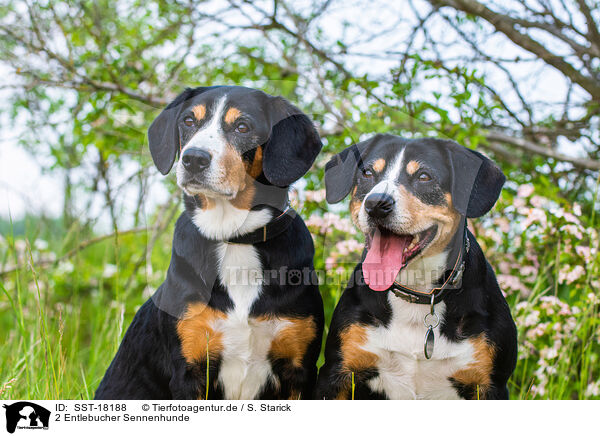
x,y
293,145
340,171
163,134
486,188
476,182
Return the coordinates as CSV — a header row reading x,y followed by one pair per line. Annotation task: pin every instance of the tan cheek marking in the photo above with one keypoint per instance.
x,y
206,203
293,340
196,333
409,203
355,209
379,165
354,206
447,228
445,216
245,197
231,115
412,167
199,112
256,167
478,373
234,169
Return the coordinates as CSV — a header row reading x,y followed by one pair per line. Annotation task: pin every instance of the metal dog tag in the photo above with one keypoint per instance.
x,y
429,342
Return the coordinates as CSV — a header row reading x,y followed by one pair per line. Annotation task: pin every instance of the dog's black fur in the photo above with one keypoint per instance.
x,y
474,310
152,362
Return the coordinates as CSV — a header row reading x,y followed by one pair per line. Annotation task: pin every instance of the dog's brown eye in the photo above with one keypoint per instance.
x,y
188,121
424,177
242,128
367,172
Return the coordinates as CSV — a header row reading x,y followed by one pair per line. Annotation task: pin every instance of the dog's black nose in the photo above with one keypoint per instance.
x,y
379,205
195,160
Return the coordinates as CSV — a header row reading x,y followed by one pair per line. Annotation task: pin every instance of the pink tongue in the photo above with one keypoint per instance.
x,y
384,260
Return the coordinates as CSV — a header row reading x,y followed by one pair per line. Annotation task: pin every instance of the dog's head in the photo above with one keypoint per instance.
x,y
229,137
410,198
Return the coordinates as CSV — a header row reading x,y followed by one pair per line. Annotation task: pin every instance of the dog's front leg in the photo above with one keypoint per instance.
x,y
187,382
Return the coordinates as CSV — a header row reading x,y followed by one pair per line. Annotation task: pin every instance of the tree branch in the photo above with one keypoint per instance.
x,y
531,147
506,25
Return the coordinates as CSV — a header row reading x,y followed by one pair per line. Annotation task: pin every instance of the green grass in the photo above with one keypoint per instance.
x,y
61,325
55,349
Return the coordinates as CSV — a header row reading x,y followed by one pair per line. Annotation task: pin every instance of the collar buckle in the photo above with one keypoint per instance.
x,y
454,279
405,295
458,274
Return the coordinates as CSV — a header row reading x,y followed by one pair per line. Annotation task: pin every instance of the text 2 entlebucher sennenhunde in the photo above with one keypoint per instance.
x,y
233,319
407,326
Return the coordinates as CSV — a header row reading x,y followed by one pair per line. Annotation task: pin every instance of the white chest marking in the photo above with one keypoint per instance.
x,y
404,372
423,273
225,220
245,367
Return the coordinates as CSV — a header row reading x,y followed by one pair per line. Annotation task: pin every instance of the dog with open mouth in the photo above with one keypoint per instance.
x,y
239,315
423,316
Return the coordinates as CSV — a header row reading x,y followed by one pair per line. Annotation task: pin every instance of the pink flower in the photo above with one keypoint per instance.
x,y
535,215
512,282
504,267
584,252
528,271
330,262
537,201
525,191
518,203
502,224
573,230
572,218
316,196
564,275
348,246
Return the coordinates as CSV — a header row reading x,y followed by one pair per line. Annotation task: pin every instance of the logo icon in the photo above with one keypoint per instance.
x,y
26,415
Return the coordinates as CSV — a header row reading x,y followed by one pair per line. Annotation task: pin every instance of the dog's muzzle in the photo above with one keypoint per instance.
x,y
195,160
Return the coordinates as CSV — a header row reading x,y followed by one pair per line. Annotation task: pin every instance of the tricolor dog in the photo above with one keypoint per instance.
x,y
423,316
239,315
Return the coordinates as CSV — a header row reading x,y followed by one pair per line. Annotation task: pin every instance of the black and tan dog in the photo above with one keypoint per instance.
x,y
407,326
232,319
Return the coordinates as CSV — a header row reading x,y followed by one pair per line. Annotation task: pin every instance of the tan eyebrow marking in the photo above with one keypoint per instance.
x,y
199,111
379,165
232,115
448,198
412,167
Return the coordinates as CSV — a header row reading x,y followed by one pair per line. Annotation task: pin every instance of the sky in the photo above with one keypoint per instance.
x,y
24,187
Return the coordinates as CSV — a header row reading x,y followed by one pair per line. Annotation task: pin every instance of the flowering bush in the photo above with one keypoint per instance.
x,y
545,255
63,313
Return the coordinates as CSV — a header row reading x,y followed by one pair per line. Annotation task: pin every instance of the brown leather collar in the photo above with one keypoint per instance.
x,y
420,297
273,228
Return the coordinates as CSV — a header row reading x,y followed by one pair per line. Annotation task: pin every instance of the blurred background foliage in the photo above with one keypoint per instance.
x,y
82,81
